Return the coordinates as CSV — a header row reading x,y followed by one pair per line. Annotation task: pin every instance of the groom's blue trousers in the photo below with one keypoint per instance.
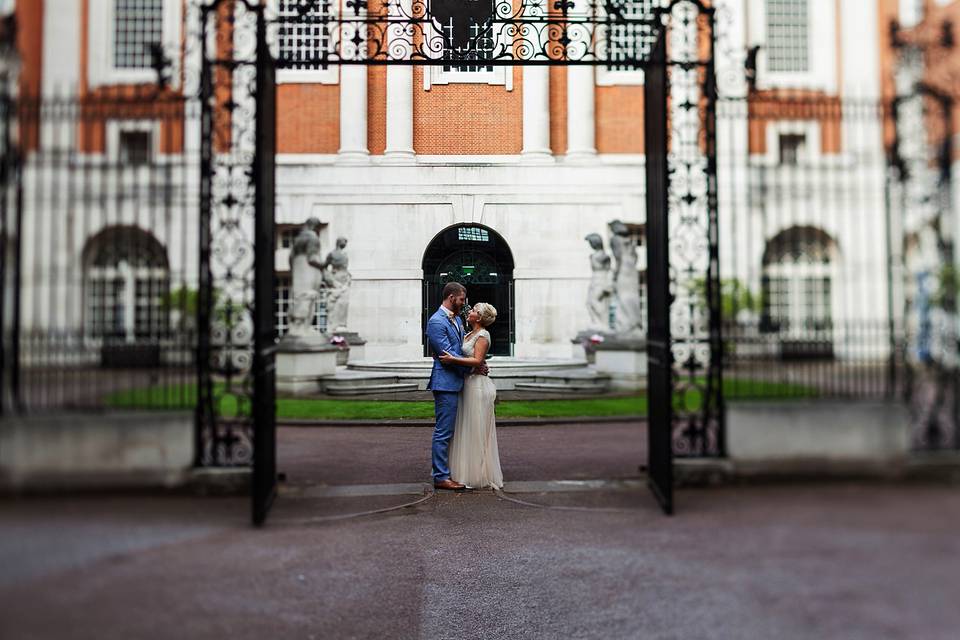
x,y
445,408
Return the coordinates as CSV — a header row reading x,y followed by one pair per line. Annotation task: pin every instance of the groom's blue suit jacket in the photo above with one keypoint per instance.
x,y
443,336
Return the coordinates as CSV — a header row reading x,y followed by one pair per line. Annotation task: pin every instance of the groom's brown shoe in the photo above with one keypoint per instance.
x,y
449,485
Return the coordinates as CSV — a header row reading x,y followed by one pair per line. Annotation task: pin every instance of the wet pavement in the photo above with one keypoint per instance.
x,y
841,560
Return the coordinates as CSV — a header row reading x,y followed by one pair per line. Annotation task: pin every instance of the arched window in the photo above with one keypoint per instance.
x,y
798,282
126,283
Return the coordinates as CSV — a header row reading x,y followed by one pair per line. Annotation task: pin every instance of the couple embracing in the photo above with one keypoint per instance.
x,y
465,454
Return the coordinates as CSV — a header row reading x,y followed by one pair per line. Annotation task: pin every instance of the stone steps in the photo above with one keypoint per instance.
x,y
369,389
552,377
561,387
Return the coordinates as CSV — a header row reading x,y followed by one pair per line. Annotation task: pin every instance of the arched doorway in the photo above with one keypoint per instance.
x,y
479,258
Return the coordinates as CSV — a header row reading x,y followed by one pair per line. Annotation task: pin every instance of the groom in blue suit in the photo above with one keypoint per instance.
x,y
445,332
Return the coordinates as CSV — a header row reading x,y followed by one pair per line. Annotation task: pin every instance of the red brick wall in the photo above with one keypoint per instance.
x,y
308,118
619,116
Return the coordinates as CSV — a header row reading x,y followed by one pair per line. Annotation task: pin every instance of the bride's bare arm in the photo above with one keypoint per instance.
x,y
479,355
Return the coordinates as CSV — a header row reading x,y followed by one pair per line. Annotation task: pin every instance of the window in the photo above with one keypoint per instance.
x,y
798,305
135,148
304,35
468,32
629,41
126,285
282,306
469,38
287,237
138,28
788,47
474,234
792,146
123,35
797,282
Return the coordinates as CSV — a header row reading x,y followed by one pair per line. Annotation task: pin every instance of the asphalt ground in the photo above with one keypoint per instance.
x,y
377,455
840,560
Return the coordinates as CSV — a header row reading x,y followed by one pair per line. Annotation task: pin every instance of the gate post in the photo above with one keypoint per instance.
x,y
264,347
659,347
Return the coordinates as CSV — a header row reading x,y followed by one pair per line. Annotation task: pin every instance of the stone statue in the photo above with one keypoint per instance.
x,y
601,286
627,320
306,270
337,279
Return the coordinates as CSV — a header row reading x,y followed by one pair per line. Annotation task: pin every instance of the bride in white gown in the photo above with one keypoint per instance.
x,y
474,458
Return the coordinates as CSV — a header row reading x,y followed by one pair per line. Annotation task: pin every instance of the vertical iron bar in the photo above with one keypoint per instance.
x,y
715,400
204,409
264,364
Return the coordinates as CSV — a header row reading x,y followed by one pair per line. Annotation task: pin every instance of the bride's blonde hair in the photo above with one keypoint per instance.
x,y
487,313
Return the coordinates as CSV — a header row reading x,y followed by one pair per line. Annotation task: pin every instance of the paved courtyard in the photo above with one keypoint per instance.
x,y
841,560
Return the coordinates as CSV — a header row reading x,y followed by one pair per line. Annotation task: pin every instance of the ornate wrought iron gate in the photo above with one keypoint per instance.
x,y
236,411
684,347
686,399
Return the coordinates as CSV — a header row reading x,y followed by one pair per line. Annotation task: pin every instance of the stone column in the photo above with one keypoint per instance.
x,y
399,148
399,115
581,114
353,115
536,114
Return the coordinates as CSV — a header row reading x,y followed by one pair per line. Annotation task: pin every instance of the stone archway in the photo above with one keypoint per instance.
x,y
479,258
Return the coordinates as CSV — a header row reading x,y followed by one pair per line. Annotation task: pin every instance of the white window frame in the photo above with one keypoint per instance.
x,y
501,75
330,75
116,127
794,300
821,53
100,34
810,129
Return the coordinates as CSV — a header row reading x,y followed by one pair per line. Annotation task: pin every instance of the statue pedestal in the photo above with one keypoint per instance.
x,y
354,350
301,360
584,348
625,361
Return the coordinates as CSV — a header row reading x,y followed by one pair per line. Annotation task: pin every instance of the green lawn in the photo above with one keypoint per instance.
x,y
184,396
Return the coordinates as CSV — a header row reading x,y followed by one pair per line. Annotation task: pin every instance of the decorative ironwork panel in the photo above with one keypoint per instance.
x,y
227,35
618,33
693,236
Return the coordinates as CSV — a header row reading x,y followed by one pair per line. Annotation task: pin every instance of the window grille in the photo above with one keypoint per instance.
x,y
304,38
788,49
138,26
282,307
473,234
468,34
630,41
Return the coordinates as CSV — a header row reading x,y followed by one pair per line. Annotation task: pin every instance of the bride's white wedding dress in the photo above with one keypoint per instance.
x,y
474,458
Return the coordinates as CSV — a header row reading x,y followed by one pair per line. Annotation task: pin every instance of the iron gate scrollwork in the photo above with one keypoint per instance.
x,y
484,32
235,86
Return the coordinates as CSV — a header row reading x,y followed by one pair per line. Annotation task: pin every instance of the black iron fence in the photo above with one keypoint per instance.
x,y
100,252
838,267
836,262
